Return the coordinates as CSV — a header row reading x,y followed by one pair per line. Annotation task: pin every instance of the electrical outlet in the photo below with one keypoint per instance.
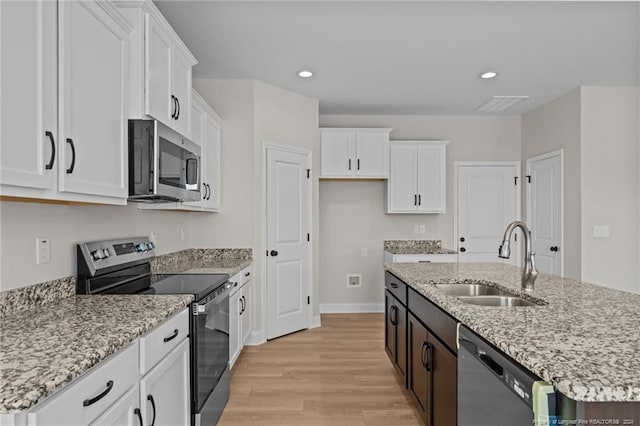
x,y
153,237
416,229
43,250
423,229
364,252
354,280
183,234
601,231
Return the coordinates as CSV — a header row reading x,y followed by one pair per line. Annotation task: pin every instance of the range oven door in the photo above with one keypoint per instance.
x,y
210,346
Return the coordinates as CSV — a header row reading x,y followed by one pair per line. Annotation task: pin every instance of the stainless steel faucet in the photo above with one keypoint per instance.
x,y
530,273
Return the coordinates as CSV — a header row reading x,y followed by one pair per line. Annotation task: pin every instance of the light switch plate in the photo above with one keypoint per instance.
x,y
416,229
364,252
423,229
601,231
43,250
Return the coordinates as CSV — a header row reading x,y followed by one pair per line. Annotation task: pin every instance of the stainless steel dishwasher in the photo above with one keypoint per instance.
x,y
495,390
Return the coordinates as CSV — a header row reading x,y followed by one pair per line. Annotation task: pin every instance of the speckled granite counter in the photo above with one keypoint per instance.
x,y
585,341
203,261
46,347
416,247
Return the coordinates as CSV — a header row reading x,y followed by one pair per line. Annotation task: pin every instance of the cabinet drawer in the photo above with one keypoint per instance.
x,y
438,321
396,287
162,339
83,401
245,275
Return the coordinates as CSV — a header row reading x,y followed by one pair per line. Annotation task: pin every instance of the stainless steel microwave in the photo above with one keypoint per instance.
x,y
163,165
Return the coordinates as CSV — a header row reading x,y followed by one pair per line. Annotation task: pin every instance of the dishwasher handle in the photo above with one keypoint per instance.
x,y
490,363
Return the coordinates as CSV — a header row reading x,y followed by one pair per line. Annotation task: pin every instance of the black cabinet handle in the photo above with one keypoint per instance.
x,y
391,319
462,240
52,159
462,249
415,199
247,274
73,156
429,357
394,285
153,405
173,336
178,113
358,164
235,284
423,353
208,192
241,306
419,199
175,107
273,253
91,401
244,304
554,248
349,163
137,412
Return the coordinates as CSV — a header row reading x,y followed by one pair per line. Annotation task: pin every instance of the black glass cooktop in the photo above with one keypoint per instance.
x,y
200,285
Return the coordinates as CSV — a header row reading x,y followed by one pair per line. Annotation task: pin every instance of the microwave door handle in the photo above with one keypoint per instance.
x,y
192,166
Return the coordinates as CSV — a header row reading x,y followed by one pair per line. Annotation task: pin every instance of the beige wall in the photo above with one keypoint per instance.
x,y
554,126
352,213
609,180
22,223
253,112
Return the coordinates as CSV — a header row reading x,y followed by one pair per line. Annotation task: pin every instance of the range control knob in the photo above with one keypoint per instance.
x,y
97,254
142,247
150,245
106,252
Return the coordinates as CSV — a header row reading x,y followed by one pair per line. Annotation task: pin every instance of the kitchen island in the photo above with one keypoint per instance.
x,y
583,339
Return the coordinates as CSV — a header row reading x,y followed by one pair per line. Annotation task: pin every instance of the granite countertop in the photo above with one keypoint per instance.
x,y
203,261
585,341
44,348
416,247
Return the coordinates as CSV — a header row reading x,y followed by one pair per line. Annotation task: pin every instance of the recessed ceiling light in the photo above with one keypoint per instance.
x,y
305,74
488,74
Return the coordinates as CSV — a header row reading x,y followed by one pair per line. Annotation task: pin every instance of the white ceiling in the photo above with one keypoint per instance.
x,y
373,57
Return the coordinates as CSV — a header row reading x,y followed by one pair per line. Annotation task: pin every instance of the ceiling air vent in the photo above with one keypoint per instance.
x,y
501,103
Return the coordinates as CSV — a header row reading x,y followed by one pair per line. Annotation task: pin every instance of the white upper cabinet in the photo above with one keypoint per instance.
x,y
417,177
92,97
64,91
28,34
354,153
160,68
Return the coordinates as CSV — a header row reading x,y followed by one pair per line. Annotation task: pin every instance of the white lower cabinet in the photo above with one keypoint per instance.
x,y
125,412
118,392
239,313
164,391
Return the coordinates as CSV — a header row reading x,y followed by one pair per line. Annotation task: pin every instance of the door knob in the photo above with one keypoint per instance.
x,y
274,253
462,249
462,240
554,248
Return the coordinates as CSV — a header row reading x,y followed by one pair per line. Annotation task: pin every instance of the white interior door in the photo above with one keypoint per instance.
x,y
488,199
288,193
544,210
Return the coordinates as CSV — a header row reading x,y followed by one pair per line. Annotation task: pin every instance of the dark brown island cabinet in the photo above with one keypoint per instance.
x,y
420,340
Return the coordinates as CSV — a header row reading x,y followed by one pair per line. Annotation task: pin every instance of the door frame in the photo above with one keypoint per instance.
x,y
457,165
266,146
547,155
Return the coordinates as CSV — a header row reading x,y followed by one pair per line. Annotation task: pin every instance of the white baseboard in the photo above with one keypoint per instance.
x,y
350,308
256,338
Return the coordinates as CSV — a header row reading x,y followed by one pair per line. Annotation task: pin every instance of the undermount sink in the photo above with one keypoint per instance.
x,y
464,289
503,300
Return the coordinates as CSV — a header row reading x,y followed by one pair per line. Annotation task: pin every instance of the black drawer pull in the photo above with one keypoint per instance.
x,y
137,412
91,401
153,405
173,336
73,156
247,274
394,285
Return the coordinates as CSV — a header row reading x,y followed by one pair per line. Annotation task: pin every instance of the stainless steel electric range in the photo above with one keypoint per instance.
x,y
124,267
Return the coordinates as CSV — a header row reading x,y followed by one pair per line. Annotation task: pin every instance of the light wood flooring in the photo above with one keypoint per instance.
x,y
338,374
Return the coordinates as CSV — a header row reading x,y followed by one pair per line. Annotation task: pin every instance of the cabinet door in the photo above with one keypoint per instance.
x,y
418,380
125,412
337,152
92,111
431,179
234,326
246,314
28,53
165,391
181,89
402,187
372,154
389,327
444,384
158,63
211,162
